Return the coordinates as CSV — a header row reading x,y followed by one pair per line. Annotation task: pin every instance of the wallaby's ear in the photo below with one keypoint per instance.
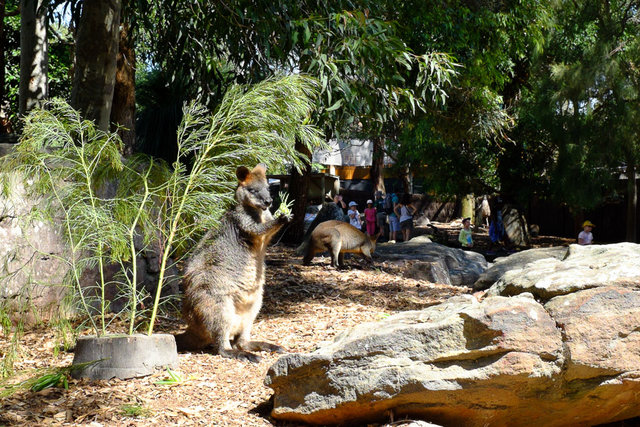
x,y
260,168
242,173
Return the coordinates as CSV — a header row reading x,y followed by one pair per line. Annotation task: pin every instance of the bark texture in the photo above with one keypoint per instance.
x,y
298,188
377,165
95,67
123,112
33,54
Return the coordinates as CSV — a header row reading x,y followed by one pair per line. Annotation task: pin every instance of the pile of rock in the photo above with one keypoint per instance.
x,y
555,342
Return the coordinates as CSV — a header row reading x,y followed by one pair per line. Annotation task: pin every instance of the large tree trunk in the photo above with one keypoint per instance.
x,y
123,112
405,176
632,199
298,188
4,114
377,164
95,65
33,54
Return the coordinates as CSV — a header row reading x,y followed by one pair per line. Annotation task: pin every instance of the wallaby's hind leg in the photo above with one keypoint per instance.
x,y
220,323
341,260
336,256
244,342
309,254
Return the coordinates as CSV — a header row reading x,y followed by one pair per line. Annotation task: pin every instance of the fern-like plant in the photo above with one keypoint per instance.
x,y
73,164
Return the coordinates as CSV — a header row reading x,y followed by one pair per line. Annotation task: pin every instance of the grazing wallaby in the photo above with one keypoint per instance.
x,y
225,276
339,238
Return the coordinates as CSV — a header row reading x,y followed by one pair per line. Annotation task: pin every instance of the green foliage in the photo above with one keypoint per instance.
x,y
172,378
75,167
57,379
14,334
65,158
135,411
39,379
255,125
366,71
60,60
577,123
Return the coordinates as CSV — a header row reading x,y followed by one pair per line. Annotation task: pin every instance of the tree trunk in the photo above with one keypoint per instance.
x,y
4,114
95,65
123,112
632,199
298,188
33,54
377,164
405,175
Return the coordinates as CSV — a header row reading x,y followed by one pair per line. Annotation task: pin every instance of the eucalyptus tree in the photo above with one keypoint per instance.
x,y
367,72
584,103
33,54
95,63
459,144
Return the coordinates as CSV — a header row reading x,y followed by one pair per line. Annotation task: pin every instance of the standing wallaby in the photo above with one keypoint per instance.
x,y
339,238
224,278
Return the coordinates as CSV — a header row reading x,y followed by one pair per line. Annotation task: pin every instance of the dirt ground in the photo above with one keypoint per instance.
x,y
303,306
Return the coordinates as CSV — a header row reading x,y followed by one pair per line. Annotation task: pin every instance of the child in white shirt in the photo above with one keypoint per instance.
x,y
585,237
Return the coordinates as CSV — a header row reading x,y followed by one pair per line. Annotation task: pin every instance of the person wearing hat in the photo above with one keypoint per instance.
x,y
585,237
354,215
370,218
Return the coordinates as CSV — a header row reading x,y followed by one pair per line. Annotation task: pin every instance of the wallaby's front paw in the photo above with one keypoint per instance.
x,y
284,218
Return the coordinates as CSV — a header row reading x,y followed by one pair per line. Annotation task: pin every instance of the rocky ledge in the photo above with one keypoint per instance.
x,y
550,353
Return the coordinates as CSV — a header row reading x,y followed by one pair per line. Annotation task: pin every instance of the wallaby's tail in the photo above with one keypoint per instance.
x,y
302,249
187,340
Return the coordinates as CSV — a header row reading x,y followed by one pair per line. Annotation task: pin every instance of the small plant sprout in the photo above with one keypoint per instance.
x,y
56,379
135,411
172,378
285,205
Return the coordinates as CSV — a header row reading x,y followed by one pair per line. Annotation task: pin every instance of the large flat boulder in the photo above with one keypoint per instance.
x,y
459,363
602,331
504,360
583,267
516,261
435,262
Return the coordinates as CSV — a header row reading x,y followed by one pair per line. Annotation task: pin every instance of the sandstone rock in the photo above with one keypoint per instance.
x,y
601,327
462,267
32,266
502,361
583,267
515,226
516,261
459,363
431,271
33,262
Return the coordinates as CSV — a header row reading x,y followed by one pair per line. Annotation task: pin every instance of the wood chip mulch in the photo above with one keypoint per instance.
x,y
303,306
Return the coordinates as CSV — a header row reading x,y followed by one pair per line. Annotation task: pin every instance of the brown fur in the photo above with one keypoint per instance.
x,y
225,276
338,238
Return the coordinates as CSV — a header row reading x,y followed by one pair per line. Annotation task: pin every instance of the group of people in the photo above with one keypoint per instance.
x,y
380,211
398,214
